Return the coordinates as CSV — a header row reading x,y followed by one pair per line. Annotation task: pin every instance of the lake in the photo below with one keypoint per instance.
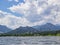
x,y
38,40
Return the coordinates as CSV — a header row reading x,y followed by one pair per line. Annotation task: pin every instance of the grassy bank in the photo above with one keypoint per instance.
x,y
36,34
43,33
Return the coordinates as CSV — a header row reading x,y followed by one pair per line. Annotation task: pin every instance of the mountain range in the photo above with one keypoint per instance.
x,y
34,29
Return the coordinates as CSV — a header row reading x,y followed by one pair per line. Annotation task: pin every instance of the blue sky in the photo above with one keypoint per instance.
x,y
16,13
4,4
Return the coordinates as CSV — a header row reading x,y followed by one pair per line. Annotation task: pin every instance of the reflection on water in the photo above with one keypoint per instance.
x,y
42,40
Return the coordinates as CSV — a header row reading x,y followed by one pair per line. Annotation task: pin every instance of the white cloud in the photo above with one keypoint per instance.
x,y
12,21
14,0
30,9
39,10
17,0
35,12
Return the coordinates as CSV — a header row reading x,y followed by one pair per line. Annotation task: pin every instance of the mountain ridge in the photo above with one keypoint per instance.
x,y
4,29
22,30
47,26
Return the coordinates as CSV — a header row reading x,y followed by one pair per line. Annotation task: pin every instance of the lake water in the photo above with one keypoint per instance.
x,y
42,40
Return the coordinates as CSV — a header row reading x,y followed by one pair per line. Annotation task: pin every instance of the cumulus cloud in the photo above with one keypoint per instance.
x,y
30,9
34,12
39,10
12,21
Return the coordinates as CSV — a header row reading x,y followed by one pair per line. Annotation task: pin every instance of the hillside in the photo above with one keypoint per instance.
x,y
4,29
